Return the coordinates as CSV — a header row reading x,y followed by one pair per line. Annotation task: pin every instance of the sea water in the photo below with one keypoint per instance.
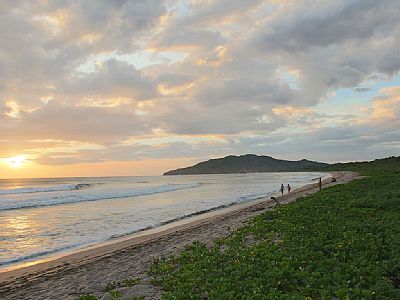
x,y
42,217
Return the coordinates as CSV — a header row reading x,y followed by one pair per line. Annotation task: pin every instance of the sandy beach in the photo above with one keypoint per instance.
x,y
89,270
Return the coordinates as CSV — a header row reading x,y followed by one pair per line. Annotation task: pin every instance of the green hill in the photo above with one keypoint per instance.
x,y
248,163
251,163
391,163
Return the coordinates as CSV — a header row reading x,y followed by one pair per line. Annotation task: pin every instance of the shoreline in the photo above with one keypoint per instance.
x,y
210,212
107,260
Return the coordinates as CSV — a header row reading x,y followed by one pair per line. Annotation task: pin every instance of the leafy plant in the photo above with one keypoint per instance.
x,y
115,295
123,283
87,297
341,243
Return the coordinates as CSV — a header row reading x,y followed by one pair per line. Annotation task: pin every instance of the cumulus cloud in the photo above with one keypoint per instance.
x,y
334,44
43,43
113,79
311,24
386,108
61,122
250,71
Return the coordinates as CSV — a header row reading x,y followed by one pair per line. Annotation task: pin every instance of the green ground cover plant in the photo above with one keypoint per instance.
x,y
127,282
340,243
391,163
110,288
87,297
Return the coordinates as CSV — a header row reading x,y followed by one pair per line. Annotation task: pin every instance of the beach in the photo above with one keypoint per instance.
x,y
48,217
90,270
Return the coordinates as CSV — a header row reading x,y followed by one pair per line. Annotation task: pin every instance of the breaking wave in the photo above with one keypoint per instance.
x,y
87,195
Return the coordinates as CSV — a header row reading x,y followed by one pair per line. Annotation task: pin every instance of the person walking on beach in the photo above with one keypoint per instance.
x,y
282,188
288,188
320,184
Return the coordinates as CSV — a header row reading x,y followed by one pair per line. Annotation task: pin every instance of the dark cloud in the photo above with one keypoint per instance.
x,y
241,61
316,26
43,43
177,38
62,122
114,79
362,89
317,145
119,24
336,44
223,119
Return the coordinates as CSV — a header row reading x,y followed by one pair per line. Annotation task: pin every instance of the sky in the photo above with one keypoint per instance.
x,y
138,87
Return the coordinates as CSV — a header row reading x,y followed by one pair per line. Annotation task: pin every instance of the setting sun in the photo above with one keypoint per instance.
x,y
16,161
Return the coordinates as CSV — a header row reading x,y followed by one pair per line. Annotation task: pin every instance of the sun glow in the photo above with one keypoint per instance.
x,y
16,161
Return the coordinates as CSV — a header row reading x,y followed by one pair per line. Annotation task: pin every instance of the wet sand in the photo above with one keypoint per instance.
x,y
90,270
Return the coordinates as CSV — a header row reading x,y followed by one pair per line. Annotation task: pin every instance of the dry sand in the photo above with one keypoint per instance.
x,y
88,271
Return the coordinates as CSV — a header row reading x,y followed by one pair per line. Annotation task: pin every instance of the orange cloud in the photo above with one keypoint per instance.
x,y
220,56
387,106
90,38
109,102
166,90
291,111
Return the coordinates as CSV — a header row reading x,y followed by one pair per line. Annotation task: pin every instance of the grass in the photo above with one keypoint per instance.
x,y
115,294
127,282
391,163
341,243
87,297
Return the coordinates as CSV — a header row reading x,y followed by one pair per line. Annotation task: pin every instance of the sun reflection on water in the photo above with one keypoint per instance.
x,y
19,223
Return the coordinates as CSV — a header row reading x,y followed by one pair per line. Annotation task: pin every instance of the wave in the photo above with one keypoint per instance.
x,y
236,201
33,256
55,188
10,204
61,249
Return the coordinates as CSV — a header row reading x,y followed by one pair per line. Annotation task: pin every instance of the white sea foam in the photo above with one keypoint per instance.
x,y
55,188
70,213
81,196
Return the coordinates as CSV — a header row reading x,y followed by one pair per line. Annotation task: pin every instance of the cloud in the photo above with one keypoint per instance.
x,y
333,44
114,79
310,24
386,107
362,89
45,42
253,72
71,123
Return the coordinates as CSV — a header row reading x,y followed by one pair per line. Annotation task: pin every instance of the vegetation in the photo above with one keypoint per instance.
x,y
111,289
251,163
114,295
123,283
391,163
248,163
341,243
87,297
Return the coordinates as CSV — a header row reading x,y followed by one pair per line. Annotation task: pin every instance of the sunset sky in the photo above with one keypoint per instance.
x,y
97,88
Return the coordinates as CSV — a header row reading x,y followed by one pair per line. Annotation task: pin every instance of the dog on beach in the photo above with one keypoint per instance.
x,y
275,201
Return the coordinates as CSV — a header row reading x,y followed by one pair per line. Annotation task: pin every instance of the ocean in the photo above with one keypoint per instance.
x,y
44,217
